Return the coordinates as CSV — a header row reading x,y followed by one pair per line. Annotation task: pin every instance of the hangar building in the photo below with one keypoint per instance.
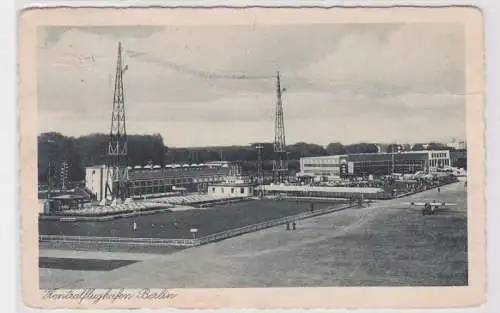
x,y
364,164
157,179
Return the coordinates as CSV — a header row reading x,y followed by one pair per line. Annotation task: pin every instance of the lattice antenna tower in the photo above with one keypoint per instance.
x,y
280,163
260,172
117,173
64,175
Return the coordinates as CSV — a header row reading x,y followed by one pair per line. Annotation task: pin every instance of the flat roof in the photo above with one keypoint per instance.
x,y
327,156
172,173
231,185
68,197
96,166
402,152
322,189
379,154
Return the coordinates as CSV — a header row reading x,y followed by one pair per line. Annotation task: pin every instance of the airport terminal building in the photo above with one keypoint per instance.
x,y
365,164
169,178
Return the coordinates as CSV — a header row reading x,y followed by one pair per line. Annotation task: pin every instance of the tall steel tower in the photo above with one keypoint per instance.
x,y
117,173
64,175
260,172
280,163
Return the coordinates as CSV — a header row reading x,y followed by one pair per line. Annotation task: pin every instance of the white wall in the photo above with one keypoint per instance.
x,y
326,166
95,180
230,191
439,159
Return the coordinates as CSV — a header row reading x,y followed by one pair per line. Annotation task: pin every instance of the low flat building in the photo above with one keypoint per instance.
x,y
230,190
232,187
365,164
326,192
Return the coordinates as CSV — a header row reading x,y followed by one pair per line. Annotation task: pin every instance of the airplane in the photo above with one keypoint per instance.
x,y
430,207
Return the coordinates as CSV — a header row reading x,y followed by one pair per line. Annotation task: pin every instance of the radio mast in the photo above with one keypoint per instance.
x,y
280,163
117,171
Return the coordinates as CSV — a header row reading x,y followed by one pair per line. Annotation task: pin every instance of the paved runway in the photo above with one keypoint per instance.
x,y
387,244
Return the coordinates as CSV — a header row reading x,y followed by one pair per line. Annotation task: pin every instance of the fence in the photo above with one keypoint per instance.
x,y
163,242
120,240
287,219
268,224
189,242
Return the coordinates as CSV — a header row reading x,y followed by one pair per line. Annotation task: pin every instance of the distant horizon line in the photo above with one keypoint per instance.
x,y
456,140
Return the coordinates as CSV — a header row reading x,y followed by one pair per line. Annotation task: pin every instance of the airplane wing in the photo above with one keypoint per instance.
x,y
415,203
433,203
437,204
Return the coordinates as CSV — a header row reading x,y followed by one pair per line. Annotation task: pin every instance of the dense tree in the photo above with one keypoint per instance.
x,y
335,148
406,147
302,149
54,148
143,149
395,148
418,147
362,148
437,146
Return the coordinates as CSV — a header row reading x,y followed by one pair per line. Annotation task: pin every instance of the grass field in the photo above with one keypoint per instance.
x,y
386,244
177,224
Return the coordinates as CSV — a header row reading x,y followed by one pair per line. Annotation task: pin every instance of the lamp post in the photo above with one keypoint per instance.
x,y
288,170
260,171
392,161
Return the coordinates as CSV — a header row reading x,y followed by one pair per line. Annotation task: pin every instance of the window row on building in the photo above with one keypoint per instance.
x,y
376,163
439,163
230,190
440,155
160,180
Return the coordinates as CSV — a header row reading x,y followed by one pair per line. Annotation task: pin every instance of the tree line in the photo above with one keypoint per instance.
x,y
79,152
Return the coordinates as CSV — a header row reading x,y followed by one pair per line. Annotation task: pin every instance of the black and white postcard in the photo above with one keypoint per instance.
x,y
252,158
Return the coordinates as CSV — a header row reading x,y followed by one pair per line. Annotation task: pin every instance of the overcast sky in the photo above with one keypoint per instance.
x,y
345,82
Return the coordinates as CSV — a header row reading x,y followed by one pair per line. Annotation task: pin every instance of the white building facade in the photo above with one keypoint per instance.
x,y
375,163
155,179
439,159
95,180
323,165
231,190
